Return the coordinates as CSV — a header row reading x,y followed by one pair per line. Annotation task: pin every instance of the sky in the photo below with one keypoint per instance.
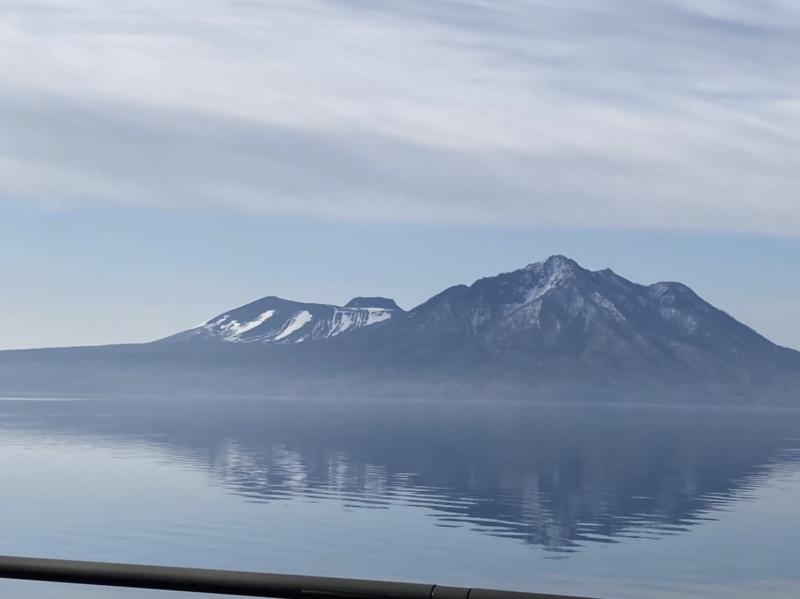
x,y
162,162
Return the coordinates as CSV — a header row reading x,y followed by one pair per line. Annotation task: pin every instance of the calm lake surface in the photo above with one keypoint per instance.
x,y
607,501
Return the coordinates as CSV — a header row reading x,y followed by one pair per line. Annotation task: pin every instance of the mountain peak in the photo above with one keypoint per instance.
x,y
384,303
544,276
555,264
561,261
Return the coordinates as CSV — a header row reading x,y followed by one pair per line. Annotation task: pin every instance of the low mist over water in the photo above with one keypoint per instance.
x,y
529,497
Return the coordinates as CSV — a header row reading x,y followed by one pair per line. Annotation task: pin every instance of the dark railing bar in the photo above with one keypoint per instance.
x,y
227,582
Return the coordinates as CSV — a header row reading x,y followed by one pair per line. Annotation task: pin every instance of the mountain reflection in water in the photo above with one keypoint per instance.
x,y
560,477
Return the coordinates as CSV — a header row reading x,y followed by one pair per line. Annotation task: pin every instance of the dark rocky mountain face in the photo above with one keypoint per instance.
x,y
555,321
552,325
382,303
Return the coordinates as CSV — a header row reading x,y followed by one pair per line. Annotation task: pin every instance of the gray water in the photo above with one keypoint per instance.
x,y
606,501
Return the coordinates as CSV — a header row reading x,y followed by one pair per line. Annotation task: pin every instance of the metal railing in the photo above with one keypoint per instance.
x,y
226,582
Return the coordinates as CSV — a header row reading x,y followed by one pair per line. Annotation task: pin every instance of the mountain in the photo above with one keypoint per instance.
x,y
556,313
276,320
551,328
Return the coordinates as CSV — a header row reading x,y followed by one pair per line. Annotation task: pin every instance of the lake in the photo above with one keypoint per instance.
x,y
599,500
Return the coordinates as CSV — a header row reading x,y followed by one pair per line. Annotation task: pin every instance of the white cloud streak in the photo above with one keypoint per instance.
x,y
610,113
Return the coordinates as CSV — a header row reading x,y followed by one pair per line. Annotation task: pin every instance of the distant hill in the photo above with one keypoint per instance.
x,y
276,320
551,329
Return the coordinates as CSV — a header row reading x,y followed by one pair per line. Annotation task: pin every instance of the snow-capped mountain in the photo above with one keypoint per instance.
x,y
275,320
551,326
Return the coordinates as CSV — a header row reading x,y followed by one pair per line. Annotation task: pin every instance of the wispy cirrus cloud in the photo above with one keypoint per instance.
x,y
647,113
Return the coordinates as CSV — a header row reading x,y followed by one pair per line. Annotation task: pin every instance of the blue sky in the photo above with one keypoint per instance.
x,y
162,162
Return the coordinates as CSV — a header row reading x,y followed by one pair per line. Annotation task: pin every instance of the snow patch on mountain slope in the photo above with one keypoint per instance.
x,y
234,329
355,318
291,322
342,321
376,315
297,322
